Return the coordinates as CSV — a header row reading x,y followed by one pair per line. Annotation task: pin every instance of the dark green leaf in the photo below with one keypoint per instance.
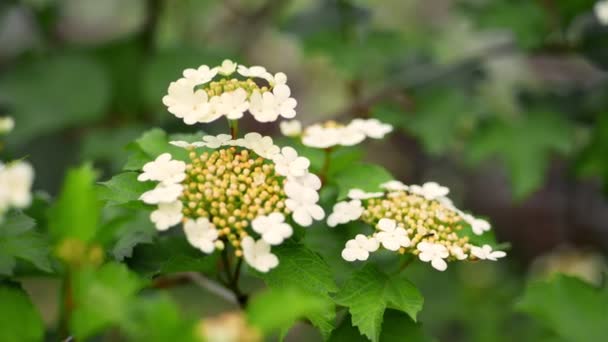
x,y
19,240
124,188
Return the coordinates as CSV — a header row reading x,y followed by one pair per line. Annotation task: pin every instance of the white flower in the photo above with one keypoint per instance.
x,y
362,195
15,185
227,68
479,226
486,253
289,164
291,128
257,254
309,180
163,169
359,248
185,144
6,124
253,71
302,202
458,253
344,212
320,137
273,228
372,128
435,253
391,236
279,78
269,106
201,234
261,145
348,136
201,75
167,215
163,193
187,104
217,141
394,185
430,190
233,104
601,12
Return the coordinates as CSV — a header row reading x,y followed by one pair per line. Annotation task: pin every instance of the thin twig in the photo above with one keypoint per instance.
x,y
197,279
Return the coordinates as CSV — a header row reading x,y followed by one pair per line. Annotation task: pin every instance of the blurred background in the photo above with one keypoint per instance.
x,y
504,101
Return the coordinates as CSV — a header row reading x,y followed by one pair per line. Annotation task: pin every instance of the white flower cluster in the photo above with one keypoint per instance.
x,y
205,94
185,193
331,133
6,124
419,219
16,180
601,11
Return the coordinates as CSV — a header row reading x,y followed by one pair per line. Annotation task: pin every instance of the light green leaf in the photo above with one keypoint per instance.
x,y
306,271
124,188
150,145
367,177
103,297
279,308
37,93
76,212
573,309
370,292
19,240
20,321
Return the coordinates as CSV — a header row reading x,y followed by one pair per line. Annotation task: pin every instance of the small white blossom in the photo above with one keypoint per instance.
x,y
205,114
289,164
458,253
309,180
269,106
272,228
344,212
359,248
349,137
291,128
279,78
253,71
167,215
372,128
430,190
261,145
227,68
394,185
185,144
15,185
390,236
163,193
185,103
201,75
485,252
217,141
479,226
435,253
362,195
257,254
201,234
601,11
6,124
302,202
320,137
163,169
233,104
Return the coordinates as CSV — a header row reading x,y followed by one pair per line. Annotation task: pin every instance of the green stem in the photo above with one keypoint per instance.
x,y
406,262
66,307
325,167
234,128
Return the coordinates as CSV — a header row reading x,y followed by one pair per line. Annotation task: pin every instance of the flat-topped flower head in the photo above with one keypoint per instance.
x,y
232,190
414,219
331,133
205,94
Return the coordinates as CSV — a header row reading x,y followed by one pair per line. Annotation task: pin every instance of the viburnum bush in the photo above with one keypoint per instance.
x,y
325,235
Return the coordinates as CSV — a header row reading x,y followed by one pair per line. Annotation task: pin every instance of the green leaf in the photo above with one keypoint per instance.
x,y
150,145
367,177
20,321
593,160
573,309
370,292
397,327
19,240
303,269
277,309
48,94
124,188
103,297
76,212
525,159
127,229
